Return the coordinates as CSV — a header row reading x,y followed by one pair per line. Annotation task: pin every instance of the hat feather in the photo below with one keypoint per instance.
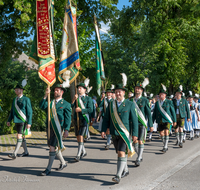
x,y
86,82
145,94
151,95
197,95
89,89
24,82
171,96
181,87
66,84
145,82
112,86
164,87
190,92
183,93
124,79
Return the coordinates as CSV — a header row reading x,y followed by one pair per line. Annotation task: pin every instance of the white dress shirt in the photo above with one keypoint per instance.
x,y
58,100
119,103
136,99
161,102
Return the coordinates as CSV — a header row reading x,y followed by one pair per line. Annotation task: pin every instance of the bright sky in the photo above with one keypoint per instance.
x,y
122,3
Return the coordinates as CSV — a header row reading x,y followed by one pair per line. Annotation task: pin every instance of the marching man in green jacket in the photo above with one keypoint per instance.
x,y
104,103
182,111
164,114
84,109
60,114
21,114
144,112
121,118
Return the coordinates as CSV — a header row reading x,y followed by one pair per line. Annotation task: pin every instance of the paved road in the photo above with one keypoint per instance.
x,y
177,169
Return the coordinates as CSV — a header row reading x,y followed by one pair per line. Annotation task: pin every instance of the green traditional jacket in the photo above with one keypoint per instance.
x,y
168,107
102,105
63,109
183,108
24,105
143,104
88,103
92,115
127,114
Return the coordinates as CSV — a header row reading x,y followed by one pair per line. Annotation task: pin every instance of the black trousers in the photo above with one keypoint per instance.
x,y
53,140
82,127
119,143
20,128
141,132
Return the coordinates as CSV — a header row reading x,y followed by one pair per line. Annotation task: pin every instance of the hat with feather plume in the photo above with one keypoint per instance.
x,y
180,89
143,84
124,82
110,89
22,85
84,84
190,95
163,89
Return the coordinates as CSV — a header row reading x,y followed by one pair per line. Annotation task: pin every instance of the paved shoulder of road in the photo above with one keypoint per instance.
x,y
177,169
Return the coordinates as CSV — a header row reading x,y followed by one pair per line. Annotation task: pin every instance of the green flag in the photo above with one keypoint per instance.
x,y
100,75
98,61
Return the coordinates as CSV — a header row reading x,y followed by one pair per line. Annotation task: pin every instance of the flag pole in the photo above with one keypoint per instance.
x,y
77,116
49,119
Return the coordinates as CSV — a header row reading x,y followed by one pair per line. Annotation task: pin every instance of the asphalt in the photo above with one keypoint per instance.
x,y
176,169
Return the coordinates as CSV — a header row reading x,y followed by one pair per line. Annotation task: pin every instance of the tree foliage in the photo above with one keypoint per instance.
x,y
155,39
163,36
17,26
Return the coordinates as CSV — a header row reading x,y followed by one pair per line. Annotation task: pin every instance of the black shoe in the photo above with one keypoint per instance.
x,y
45,172
77,158
12,156
192,139
83,155
23,154
62,166
124,174
107,147
116,179
183,141
164,150
177,143
181,145
137,163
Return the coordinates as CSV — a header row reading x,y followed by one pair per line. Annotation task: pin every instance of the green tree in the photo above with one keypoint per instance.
x,y
163,35
17,25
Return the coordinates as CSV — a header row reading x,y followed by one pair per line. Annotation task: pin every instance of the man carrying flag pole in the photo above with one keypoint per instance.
x,y
43,47
60,121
